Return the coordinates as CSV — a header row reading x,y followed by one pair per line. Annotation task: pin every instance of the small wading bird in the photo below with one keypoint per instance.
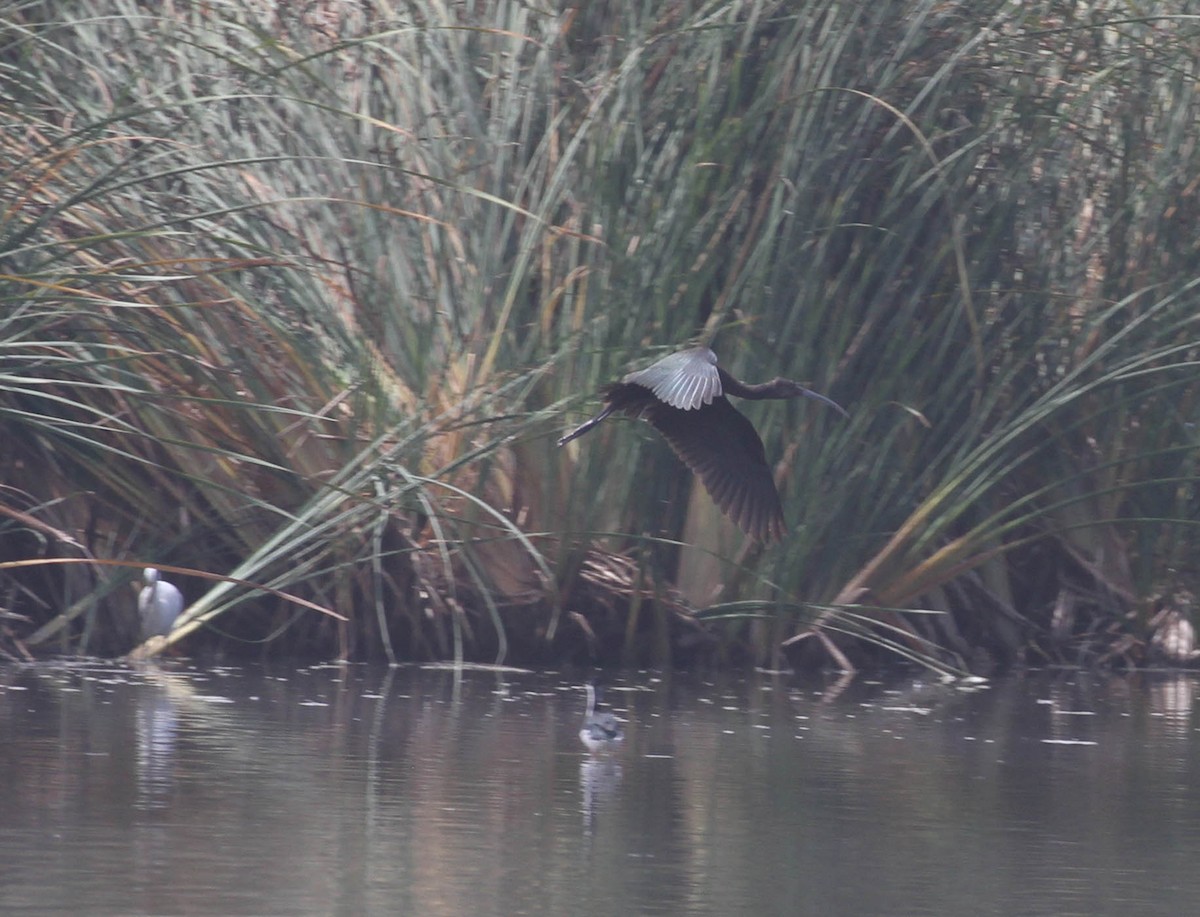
x,y
683,397
599,730
159,604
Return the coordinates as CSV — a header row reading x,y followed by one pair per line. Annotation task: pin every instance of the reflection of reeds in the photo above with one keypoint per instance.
x,y
308,312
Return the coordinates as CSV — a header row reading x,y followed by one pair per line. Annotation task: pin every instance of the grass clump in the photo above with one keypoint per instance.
x,y
301,297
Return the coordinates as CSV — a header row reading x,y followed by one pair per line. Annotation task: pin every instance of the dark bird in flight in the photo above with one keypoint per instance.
x,y
683,396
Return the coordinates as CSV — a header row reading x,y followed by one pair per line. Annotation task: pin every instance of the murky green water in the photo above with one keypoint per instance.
x,y
353,790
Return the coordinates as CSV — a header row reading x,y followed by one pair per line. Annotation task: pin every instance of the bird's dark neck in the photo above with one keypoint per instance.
x,y
732,386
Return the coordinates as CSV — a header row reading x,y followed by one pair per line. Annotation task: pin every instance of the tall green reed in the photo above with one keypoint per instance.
x,y
303,296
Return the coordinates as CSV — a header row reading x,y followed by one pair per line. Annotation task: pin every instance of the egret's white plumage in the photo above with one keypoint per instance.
x,y
159,604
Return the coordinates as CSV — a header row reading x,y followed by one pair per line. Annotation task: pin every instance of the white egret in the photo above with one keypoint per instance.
x,y
159,604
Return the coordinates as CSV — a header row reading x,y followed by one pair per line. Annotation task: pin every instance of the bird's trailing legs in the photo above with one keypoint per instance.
x,y
585,426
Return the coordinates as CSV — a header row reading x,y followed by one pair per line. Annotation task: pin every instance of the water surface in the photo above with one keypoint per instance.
x,y
351,790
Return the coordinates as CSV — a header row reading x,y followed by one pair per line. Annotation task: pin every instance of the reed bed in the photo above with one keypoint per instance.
x,y
303,296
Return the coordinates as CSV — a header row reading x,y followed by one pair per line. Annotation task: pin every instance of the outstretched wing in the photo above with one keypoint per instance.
x,y
686,380
723,449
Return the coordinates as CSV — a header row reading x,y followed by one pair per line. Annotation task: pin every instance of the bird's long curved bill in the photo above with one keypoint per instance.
x,y
809,393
